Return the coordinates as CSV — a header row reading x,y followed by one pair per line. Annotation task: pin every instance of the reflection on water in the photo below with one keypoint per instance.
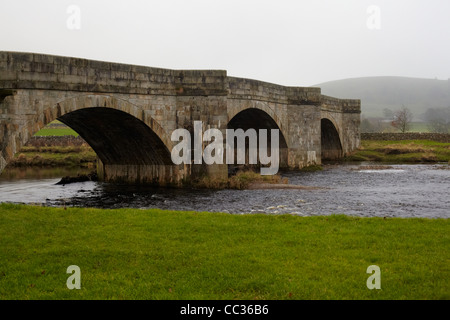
x,y
400,191
20,173
36,184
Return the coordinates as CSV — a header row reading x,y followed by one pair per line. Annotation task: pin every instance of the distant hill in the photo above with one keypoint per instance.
x,y
377,93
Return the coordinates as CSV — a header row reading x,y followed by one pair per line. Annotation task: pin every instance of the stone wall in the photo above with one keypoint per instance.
x,y
439,137
50,141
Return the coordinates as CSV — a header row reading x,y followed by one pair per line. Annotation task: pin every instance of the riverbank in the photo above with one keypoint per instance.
x,y
55,151
402,151
157,254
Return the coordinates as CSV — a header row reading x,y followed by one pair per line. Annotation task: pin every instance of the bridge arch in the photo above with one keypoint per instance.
x,y
130,144
72,104
331,145
118,137
118,131
259,118
232,112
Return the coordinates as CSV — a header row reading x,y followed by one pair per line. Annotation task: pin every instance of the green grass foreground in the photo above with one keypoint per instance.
x,y
156,254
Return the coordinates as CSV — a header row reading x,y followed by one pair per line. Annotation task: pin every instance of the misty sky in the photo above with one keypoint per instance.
x,y
295,43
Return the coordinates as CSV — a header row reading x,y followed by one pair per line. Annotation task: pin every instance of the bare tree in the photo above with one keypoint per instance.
x,y
402,119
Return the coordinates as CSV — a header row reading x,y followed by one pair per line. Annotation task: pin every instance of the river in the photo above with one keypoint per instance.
x,y
352,189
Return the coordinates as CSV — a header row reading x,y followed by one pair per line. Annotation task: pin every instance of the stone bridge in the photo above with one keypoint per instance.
x,y
127,114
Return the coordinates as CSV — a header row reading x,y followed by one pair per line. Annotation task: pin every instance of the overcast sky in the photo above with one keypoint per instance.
x,y
288,42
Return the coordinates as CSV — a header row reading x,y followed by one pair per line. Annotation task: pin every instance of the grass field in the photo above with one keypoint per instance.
x,y
156,254
56,128
48,131
404,151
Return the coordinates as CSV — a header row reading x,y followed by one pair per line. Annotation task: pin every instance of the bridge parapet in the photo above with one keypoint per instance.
x,y
241,88
39,71
340,105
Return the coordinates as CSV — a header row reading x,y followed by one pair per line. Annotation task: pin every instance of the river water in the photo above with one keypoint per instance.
x,y
351,189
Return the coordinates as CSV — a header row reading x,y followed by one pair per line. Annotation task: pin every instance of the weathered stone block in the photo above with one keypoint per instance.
x,y
7,75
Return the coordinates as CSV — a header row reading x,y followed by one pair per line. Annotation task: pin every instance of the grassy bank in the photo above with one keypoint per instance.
x,y
54,156
155,254
404,151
